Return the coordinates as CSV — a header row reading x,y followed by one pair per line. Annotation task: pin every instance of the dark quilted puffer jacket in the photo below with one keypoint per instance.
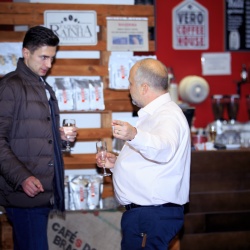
x,y
26,139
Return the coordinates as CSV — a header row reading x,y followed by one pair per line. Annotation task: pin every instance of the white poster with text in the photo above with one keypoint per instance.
x,y
127,34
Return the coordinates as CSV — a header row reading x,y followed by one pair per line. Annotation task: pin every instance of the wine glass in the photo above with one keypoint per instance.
x,y
212,132
68,125
101,148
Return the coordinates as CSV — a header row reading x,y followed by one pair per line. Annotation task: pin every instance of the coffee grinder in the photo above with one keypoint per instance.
x,y
218,106
233,108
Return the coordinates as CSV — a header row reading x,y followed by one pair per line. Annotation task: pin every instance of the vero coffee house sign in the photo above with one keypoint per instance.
x,y
190,26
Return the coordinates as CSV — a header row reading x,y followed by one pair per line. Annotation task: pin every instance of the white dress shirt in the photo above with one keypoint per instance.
x,y
154,167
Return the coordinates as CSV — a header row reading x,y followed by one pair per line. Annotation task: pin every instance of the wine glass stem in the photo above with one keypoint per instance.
x,y
68,145
104,169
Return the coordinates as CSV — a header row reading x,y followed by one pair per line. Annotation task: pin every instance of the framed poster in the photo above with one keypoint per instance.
x,y
237,25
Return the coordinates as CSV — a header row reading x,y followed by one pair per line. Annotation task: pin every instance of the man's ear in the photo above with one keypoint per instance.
x,y
144,88
25,52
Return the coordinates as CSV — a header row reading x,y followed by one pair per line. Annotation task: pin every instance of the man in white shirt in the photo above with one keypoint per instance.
x,y
151,174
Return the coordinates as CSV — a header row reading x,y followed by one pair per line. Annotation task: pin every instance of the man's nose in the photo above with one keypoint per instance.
x,y
48,63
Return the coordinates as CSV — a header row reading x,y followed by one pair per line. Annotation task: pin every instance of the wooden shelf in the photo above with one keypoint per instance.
x,y
79,161
93,134
32,14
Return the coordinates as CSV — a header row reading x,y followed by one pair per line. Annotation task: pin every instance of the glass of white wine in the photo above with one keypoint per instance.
x,y
68,125
101,148
212,133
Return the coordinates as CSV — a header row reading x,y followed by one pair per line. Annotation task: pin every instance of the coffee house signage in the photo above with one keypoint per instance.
x,y
190,26
72,27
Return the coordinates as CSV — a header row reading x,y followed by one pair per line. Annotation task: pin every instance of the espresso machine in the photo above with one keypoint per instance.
x,y
224,133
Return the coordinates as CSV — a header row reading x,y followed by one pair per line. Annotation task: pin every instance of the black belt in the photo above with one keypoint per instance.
x,y
133,205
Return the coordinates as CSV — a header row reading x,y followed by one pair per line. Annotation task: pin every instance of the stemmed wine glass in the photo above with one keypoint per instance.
x,y
101,148
68,125
212,132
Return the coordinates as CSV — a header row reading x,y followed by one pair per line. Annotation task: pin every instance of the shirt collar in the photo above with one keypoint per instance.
x,y
154,105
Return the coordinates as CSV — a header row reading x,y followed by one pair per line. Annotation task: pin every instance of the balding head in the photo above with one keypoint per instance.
x,y
148,80
152,72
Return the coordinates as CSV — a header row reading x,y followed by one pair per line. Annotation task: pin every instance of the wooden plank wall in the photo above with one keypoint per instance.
x,y
31,14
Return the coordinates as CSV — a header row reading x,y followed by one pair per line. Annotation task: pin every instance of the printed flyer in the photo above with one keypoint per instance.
x,y
127,34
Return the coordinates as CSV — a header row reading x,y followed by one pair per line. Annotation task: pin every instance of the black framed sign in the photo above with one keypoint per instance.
x,y
237,25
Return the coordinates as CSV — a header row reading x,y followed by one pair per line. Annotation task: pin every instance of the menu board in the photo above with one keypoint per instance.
x,y
237,25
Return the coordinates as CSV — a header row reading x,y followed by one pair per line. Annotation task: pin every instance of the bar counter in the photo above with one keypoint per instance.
x,y
218,214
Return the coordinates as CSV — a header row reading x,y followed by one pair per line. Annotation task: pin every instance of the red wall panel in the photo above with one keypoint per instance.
x,y
188,62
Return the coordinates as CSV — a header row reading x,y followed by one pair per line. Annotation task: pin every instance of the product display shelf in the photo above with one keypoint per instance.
x,y
13,14
31,14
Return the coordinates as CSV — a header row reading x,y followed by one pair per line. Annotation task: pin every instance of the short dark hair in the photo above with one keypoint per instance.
x,y
39,36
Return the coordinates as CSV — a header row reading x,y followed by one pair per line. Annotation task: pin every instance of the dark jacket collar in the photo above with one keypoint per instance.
x,y
26,72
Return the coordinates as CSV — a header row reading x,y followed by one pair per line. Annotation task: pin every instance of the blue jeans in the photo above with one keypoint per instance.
x,y
160,224
29,227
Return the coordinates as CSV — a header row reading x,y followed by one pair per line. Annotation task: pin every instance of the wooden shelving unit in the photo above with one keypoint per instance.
x,y
31,14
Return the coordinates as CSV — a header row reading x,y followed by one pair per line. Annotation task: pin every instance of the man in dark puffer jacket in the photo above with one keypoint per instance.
x,y
31,165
